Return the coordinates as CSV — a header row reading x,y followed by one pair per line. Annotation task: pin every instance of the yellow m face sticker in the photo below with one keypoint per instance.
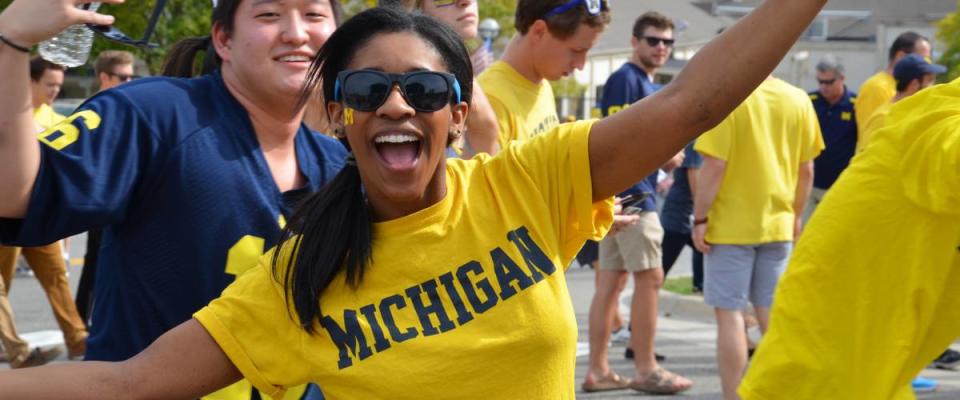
x,y
846,115
347,116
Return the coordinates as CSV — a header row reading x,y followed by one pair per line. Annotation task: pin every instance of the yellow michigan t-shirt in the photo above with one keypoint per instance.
x,y
465,299
763,141
524,109
878,90
870,296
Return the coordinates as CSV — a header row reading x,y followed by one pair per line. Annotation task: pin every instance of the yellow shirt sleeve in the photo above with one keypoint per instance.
x,y
506,122
813,143
251,324
718,141
558,163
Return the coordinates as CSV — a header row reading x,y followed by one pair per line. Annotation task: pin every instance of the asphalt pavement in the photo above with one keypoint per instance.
x,y
686,333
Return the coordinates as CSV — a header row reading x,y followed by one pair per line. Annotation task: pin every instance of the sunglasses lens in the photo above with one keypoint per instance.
x,y
427,91
365,91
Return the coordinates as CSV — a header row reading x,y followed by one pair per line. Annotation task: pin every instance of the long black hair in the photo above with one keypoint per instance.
x,y
181,61
331,232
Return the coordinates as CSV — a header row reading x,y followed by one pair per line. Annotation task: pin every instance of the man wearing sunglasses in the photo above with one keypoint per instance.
x,y
880,88
113,67
637,248
553,38
835,111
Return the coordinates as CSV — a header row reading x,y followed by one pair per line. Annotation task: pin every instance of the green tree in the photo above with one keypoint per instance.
x,y
948,31
180,19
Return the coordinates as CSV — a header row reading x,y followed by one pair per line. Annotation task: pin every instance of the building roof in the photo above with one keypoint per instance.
x,y
697,22
912,13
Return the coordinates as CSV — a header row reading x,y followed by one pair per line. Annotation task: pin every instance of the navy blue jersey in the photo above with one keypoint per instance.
x,y
173,172
839,126
626,86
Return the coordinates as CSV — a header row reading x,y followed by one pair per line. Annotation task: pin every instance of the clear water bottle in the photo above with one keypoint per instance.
x,y
69,48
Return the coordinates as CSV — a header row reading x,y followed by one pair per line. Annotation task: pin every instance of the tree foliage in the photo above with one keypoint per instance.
x,y
189,18
948,31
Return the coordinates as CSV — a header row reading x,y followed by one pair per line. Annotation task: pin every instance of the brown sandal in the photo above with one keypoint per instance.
x,y
610,381
661,381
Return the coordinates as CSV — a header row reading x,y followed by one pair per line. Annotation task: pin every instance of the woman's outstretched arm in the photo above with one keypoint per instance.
x,y
628,145
184,363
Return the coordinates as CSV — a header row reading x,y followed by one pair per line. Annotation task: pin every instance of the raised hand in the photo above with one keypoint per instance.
x,y
28,22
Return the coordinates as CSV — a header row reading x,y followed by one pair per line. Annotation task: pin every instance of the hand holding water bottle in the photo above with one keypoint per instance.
x,y
28,22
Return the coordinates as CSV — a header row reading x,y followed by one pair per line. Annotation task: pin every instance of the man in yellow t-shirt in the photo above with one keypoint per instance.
x,y
552,41
45,261
913,74
880,88
870,295
756,176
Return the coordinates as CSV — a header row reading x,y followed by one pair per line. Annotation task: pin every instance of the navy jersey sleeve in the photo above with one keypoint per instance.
x,y
91,163
618,93
691,158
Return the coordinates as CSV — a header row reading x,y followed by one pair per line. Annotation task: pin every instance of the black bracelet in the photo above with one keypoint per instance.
x,y
14,45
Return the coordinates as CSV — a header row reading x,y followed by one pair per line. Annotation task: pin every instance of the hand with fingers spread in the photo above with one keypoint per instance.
x,y
28,22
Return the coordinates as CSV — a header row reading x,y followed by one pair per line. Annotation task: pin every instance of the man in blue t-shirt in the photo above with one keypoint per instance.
x,y
834,105
677,216
635,248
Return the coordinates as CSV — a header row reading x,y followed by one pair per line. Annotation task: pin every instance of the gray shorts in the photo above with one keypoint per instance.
x,y
734,272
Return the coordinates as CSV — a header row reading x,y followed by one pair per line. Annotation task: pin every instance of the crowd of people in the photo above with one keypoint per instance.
x,y
416,245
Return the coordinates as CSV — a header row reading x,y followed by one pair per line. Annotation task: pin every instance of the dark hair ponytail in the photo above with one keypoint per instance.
x,y
329,228
181,62
332,232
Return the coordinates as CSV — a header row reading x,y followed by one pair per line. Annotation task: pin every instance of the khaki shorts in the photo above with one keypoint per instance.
x,y
636,248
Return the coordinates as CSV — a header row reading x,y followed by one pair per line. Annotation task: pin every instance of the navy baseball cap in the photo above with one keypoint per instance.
x,y
915,67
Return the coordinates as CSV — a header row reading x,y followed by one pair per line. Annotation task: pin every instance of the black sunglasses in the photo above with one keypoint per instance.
x,y
121,77
116,35
653,41
593,7
827,81
367,90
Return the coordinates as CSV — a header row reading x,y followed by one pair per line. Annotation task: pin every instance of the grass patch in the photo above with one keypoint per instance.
x,y
682,285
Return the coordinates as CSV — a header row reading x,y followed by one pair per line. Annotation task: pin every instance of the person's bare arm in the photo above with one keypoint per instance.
x,y
804,186
626,146
183,363
26,23
693,177
708,185
482,128
673,162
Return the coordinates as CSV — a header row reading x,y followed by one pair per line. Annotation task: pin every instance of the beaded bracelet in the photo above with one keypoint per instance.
x,y
14,45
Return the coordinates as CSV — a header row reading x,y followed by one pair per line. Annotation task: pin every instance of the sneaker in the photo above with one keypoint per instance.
x,y
620,336
23,271
950,359
37,357
923,385
629,355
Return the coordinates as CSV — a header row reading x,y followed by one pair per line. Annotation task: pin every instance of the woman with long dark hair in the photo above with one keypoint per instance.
x,y
412,275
